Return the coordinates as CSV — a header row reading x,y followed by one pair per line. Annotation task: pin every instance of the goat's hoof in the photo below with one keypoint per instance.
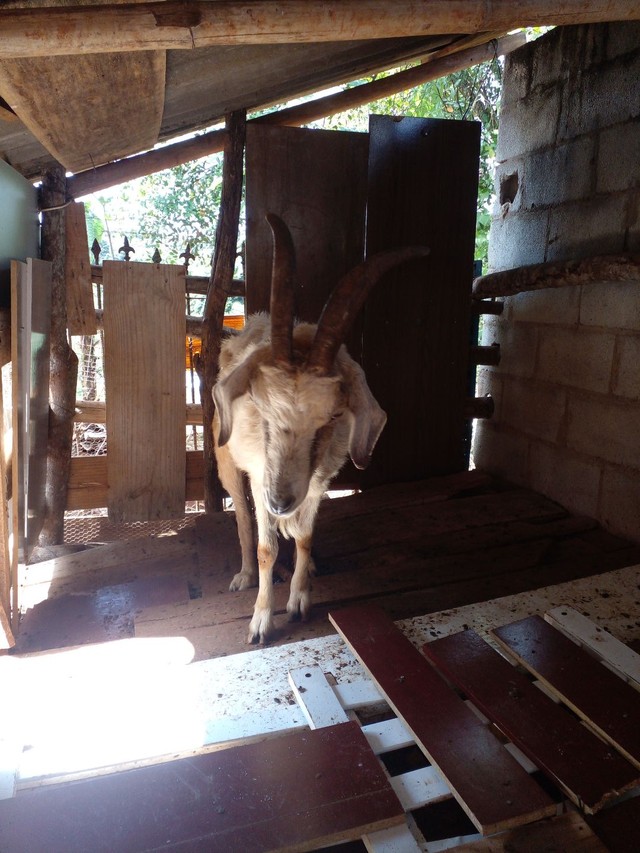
x,y
299,605
261,627
241,581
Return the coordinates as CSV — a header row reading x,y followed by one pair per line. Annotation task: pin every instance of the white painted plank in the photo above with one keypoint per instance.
x,y
619,657
316,698
420,787
387,735
397,839
359,694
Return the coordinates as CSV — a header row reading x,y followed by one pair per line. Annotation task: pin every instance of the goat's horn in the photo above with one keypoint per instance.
x,y
347,299
281,305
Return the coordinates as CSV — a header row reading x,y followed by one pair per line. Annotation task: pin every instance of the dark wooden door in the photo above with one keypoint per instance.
x,y
423,182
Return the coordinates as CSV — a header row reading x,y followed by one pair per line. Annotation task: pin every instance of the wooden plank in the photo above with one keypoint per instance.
x,y
587,769
81,312
88,487
607,703
598,641
142,26
423,176
257,797
88,92
619,826
561,834
450,735
144,329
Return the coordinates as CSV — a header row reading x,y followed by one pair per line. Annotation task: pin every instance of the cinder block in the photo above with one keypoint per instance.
x,y
619,157
553,305
563,476
626,379
556,175
529,123
605,428
619,507
604,94
577,357
613,305
594,226
501,452
534,408
518,239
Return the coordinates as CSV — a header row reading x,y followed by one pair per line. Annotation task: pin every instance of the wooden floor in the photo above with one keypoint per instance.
x,y
412,548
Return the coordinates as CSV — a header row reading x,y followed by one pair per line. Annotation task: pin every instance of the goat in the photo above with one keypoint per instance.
x,y
290,405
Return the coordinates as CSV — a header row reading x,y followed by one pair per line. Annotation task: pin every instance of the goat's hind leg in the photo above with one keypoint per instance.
x,y
232,480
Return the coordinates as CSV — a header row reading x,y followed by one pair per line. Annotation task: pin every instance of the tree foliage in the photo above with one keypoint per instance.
x,y
471,94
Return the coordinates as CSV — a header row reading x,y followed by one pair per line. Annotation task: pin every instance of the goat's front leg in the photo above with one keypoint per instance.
x,y
262,622
299,602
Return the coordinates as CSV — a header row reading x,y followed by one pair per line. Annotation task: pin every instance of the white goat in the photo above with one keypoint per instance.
x,y
290,405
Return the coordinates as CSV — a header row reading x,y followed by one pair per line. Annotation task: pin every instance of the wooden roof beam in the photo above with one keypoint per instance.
x,y
213,142
65,30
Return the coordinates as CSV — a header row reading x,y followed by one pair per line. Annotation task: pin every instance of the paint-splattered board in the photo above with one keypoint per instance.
x,y
295,793
451,736
589,771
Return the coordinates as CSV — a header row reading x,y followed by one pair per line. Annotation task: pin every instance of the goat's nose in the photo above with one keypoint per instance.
x,y
280,504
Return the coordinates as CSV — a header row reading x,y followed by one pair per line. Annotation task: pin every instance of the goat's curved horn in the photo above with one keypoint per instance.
x,y
347,299
281,305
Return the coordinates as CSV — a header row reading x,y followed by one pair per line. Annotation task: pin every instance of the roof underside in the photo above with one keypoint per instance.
x,y
84,111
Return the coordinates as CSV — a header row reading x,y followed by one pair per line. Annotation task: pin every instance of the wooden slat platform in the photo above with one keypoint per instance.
x,y
451,736
598,696
588,770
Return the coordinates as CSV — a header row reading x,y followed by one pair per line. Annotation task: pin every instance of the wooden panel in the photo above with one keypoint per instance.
x,y
81,313
423,176
31,326
294,793
144,330
589,771
488,783
88,487
316,181
598,696
82,109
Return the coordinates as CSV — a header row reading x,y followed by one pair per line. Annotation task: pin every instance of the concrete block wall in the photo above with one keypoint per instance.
x,y
567,390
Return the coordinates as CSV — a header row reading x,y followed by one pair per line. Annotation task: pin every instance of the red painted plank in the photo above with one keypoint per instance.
x,y
292,793
587,769
489,784
601,698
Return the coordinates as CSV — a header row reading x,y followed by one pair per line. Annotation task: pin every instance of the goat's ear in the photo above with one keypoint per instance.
x,y
225,391
368,418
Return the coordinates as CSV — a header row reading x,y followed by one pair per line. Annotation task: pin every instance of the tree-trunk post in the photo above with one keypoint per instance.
x,y
64,362
219,289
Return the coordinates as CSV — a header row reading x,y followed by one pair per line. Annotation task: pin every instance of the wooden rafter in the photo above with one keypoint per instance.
x,y
179,26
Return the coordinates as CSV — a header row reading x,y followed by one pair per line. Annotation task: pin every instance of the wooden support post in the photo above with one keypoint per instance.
x,y
64,362
220,286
